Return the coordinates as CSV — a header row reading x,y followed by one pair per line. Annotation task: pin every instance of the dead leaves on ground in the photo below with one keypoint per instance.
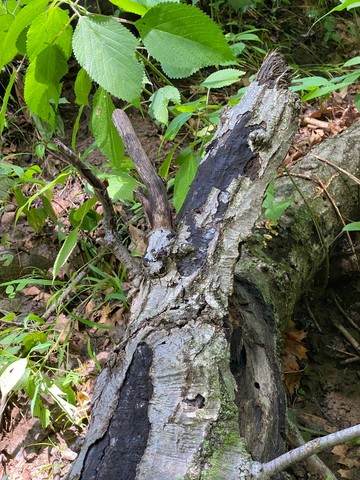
x,y
293,355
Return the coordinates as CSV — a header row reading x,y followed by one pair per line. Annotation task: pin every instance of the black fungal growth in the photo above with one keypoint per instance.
x,y
117,454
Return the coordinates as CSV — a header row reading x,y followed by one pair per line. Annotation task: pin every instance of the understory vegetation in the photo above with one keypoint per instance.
x,y
173,66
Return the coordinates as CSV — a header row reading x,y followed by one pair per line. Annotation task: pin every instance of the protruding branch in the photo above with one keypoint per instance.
x,y
112,238
279,464
155,201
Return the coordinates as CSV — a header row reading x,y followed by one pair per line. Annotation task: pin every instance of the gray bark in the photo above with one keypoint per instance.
x,y
195,384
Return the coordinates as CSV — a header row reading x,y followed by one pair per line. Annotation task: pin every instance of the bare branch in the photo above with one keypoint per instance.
x,y
279,464
111,238
155,201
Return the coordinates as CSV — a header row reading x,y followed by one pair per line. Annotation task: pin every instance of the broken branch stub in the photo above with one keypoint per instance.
x,y
154,201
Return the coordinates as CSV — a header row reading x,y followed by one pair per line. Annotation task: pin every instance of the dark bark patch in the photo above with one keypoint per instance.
x,y
117,454
229,158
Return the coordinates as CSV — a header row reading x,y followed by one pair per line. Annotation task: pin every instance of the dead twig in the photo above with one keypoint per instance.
x,y
112,238
155,201
264,471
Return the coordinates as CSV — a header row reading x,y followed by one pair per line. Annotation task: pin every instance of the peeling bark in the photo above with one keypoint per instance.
x,y
196,379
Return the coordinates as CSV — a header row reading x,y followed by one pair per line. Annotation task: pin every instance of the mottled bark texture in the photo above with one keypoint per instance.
x,y
195,384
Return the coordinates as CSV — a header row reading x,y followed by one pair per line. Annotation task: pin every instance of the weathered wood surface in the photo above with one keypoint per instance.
x,y
164,408
197,373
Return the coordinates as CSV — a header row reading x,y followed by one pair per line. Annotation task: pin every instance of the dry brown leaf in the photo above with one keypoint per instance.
x,y
31,291
63,325
138,240
349,474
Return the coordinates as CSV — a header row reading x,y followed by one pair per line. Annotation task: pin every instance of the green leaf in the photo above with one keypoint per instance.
x,y
274,209
165,166
12,375
309,83
107,137
65,251
33,339
184,176
130,6
82,87
176,124
183,39
223,78
352,227
50,28
42,87
6,100
22,20
106,50
159,103
348,4
121,186
352,61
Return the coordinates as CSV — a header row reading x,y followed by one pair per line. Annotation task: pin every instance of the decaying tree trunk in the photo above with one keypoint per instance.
x,y
195,386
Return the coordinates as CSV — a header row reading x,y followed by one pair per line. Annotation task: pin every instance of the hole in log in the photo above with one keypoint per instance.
x,y
256,385
198,401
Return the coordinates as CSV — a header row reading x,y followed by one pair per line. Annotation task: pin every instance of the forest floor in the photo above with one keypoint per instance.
x,y
321,367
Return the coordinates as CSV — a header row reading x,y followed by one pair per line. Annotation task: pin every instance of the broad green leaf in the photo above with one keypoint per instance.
x,y
12,375
176,124
106,50
82,87
65,251
308,83
183,39
107,138
223,78
49,28
139,6
22,20
352,227
121,186
130,6
184,176
32,339
159,103
42,83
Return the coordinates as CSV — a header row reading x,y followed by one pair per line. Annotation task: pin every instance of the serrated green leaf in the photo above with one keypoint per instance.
x,y
193,39
65,251
106,50
159,103
82,87
42,88
21,21
50,28
223,78
107,137
130,6
184,176
12,375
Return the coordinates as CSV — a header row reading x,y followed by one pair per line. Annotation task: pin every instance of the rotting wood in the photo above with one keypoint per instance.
x,y
191,429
